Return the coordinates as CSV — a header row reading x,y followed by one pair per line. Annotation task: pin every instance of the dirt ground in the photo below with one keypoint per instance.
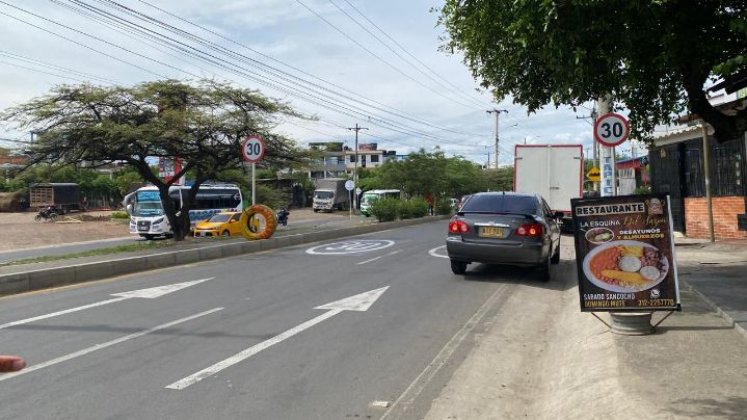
x,y
20,230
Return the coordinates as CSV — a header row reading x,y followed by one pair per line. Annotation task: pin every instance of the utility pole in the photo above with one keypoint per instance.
x,y
357,128
497,113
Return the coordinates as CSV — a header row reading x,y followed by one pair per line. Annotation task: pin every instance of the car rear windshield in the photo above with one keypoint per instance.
x,y
501,204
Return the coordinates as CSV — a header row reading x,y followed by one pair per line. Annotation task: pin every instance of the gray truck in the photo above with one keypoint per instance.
x,y
330,195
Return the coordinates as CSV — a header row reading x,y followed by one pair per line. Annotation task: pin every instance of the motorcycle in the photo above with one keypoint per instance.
x,y
49,214
283,216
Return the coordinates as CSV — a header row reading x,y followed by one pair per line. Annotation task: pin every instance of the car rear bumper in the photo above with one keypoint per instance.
x,y
522,254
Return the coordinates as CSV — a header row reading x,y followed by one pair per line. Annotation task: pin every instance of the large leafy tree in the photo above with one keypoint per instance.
x,y
655,58
199,123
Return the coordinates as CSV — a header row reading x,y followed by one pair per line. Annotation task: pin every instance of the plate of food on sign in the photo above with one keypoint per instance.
x,y
599,235
625,266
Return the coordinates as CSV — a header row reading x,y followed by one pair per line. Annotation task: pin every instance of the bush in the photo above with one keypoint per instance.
x,y
120,215
443,206
385,209
418,207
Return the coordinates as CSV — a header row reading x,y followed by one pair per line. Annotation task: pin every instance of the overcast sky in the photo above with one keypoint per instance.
x,y
322,60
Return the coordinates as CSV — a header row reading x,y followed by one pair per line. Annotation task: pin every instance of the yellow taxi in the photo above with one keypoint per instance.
x,y
220,224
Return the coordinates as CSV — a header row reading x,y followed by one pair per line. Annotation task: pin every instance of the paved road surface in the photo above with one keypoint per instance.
x,y
244,339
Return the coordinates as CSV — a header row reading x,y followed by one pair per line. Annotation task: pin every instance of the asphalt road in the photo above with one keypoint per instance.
x,y
255,337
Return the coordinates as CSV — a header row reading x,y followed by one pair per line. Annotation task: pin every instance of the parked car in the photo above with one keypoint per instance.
x,y
220,224
504,228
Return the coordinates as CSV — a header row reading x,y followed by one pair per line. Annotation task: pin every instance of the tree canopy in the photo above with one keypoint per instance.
x,y
655,58
199,123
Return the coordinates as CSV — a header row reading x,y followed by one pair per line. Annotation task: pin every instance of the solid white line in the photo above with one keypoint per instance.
x,y
371,260
251,351
380,256
418,385
102,346
63,312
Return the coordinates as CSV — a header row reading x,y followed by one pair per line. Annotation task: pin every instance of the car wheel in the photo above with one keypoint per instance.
x,y
543,271
556,256
225,234
458,267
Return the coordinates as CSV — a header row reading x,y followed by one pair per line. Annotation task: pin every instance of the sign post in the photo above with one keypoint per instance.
x,y
253,150
625,257
350,186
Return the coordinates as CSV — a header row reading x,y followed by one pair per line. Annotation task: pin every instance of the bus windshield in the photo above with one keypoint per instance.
x,y
147,204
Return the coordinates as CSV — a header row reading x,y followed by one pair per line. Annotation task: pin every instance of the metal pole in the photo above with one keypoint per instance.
x,y
355,164
614,173
254,184
707,170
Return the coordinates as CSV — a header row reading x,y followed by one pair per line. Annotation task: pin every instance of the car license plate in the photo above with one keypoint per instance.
x,y
491,232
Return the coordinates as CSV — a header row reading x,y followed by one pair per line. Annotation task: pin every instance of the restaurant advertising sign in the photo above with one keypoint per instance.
x,y
625,253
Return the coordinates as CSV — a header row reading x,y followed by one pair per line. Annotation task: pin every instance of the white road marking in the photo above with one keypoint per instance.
x,y
418,385
150,293
350,247
79,353
379,257
433,252
360,302
379,404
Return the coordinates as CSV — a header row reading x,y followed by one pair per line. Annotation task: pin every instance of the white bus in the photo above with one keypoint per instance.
x,y
147,217
370,196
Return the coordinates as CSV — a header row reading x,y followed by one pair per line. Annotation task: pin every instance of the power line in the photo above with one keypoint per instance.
x,y
387,46
390,65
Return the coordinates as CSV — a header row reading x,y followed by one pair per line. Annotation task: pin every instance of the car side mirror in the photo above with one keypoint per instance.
x,y
128,208
558,214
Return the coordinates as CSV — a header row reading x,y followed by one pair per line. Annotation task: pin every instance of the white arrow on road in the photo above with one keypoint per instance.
x,y
151,293
360,302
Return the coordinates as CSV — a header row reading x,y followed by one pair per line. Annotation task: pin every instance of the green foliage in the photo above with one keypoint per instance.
x,y
650,57
500,179
201,123
443,206
120,215
643,190
415,208
385,209
269,196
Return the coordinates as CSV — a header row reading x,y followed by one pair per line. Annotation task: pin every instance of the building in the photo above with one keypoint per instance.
x,y
677,168
632,174
339,160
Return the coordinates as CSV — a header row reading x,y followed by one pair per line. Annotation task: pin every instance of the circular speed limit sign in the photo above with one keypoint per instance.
x,y
611,129
253,148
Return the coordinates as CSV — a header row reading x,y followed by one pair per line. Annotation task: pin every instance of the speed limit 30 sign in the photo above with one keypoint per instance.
x,y
253,148
611,129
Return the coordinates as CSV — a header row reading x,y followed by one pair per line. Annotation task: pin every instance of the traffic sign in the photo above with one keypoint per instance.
x,y
349,185
611,129
594,175
253,148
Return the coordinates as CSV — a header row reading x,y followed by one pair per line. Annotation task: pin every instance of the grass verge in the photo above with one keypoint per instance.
x,y
140,246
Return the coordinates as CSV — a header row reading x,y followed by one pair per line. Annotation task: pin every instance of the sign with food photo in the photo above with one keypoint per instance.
x,y
625,253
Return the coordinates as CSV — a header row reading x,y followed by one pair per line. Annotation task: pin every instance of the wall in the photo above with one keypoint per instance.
x,y
725,210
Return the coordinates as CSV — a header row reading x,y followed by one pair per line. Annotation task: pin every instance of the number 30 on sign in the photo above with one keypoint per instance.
x,y
253,148
611,129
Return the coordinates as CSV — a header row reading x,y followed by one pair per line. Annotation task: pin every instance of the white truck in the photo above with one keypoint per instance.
x,y
554,171
330,195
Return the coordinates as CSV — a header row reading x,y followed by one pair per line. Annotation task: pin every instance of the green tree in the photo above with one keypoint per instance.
x,y
200,123
500,179
655,58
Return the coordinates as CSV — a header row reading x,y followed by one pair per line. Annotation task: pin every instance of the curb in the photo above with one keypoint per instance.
x,y
79,273
720,312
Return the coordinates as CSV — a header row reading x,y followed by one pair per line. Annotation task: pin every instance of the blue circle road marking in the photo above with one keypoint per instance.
x,y
350,247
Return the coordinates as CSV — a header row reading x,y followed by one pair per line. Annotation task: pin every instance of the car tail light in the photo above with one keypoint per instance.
x,y
458,226
533,230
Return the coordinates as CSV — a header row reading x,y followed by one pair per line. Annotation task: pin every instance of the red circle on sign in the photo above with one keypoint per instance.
x,y
255,141
606,135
